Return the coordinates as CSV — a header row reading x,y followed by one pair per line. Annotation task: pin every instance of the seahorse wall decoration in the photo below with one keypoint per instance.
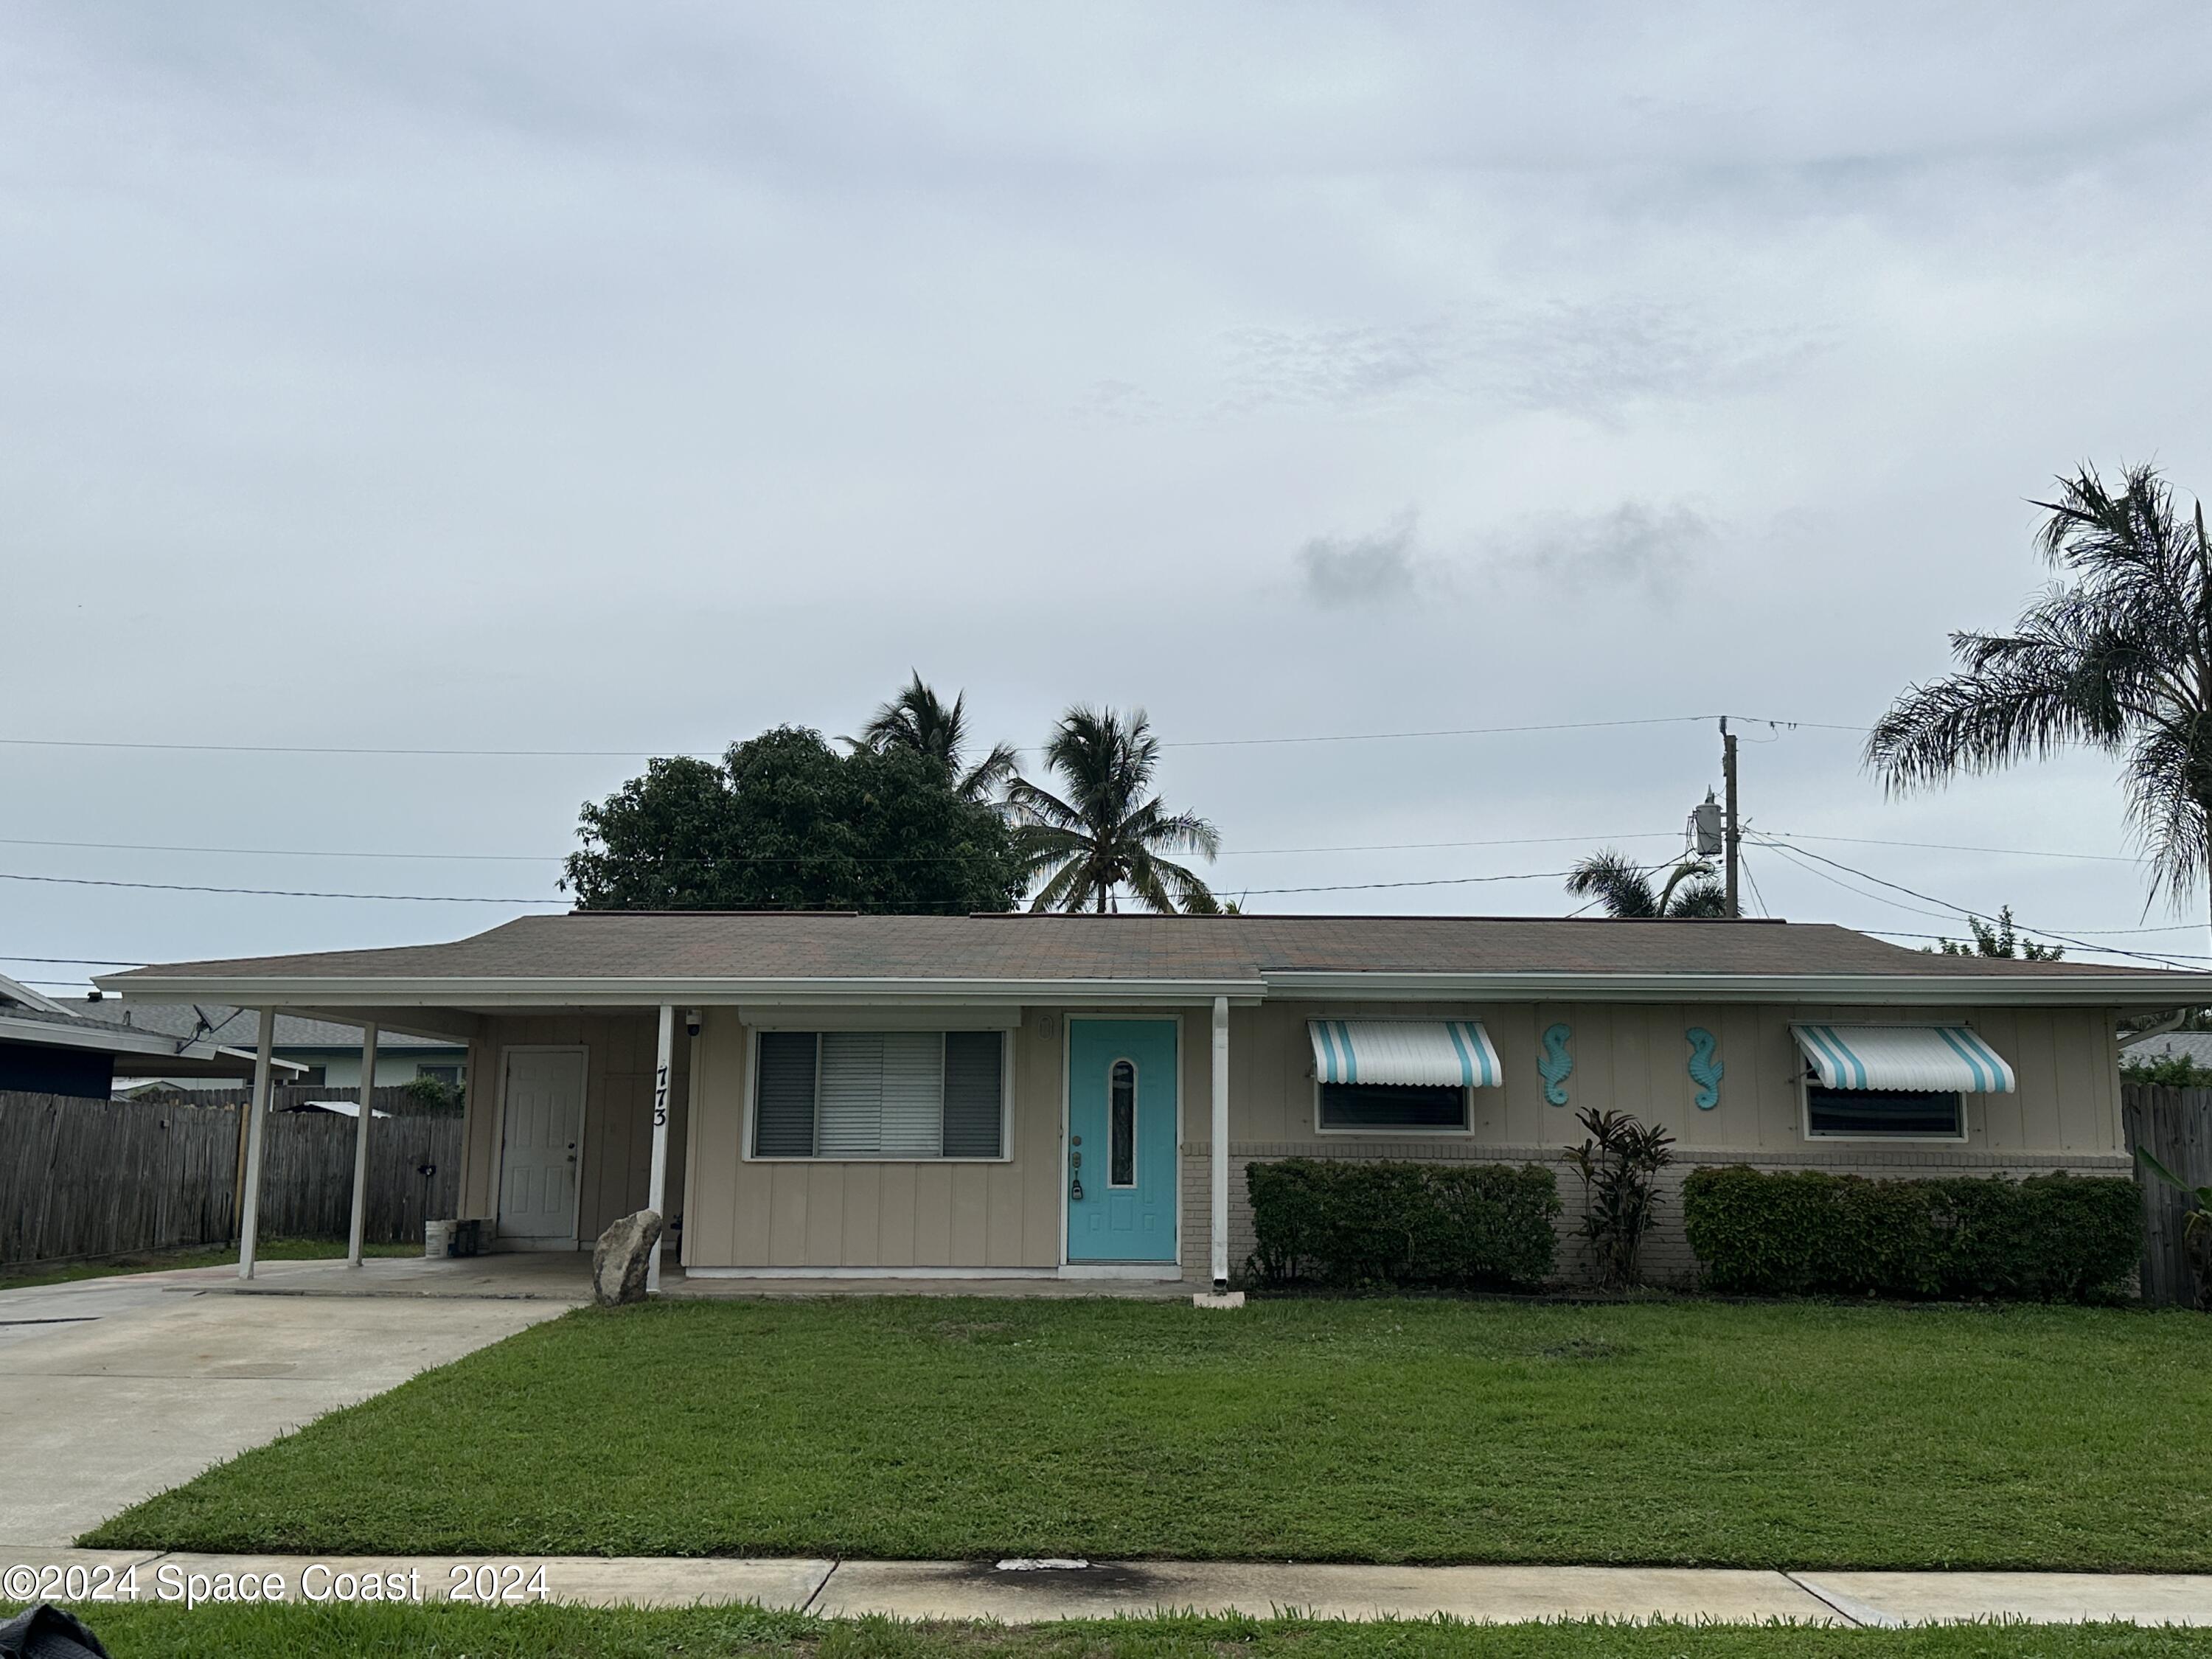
x,y
1556,1065
1705,1070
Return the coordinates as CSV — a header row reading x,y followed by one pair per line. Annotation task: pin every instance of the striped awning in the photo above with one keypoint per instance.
x,y
1929,1058
1453,1052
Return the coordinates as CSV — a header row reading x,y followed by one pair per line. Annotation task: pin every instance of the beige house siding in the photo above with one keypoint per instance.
x,y
1634,1058
878,1214
614,1170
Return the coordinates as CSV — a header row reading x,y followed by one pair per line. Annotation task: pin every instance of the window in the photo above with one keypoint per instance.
x,y
1882,1114
1392,1106
879,1095
1121,1125
448,1075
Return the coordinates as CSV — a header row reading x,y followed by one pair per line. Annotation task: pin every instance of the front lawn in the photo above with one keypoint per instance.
x,y
344,1632
1686,1432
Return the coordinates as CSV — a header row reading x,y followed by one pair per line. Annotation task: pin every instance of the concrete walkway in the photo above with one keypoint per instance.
x,y
1027,1593
112,1389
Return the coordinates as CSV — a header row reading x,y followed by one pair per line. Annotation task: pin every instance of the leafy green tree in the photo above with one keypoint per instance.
x,y
1625,890
1105,830
2116,656
786,823
919,720
1998,939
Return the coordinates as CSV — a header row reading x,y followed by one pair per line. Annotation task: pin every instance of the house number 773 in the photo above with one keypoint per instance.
x,y
660,1097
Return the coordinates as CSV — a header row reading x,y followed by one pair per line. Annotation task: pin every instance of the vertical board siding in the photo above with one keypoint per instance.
x,y
88,1178
2176,1126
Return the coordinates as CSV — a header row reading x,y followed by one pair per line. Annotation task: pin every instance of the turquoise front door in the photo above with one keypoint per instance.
x,y
1121,1170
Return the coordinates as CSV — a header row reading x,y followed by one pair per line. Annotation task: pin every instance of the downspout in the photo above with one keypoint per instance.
x,y
1219,1150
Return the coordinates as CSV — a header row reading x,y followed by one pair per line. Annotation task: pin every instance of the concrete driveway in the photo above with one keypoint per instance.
x,y
112,1389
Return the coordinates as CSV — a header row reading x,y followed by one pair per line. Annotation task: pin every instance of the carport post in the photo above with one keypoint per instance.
x,y
1219,1149
264,1062
361,1144
656,1189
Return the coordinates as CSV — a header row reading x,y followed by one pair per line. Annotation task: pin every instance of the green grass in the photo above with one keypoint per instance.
x,y
158,1262
1686,1432
402,1633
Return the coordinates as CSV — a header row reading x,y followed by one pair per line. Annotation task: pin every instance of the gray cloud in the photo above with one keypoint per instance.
x,y
1379,568
1634,546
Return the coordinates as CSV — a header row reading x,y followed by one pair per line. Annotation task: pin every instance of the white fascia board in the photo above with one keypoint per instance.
x,y
109,1039
307,994
2166,990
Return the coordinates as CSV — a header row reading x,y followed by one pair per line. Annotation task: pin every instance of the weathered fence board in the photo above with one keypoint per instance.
x,y
88,1178
2176,1125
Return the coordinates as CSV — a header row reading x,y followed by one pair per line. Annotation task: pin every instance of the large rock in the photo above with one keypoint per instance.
x,y
618,1264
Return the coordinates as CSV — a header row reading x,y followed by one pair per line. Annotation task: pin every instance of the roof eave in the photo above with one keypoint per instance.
x,y
530,992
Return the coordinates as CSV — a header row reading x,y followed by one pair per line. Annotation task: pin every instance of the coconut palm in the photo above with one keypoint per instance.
x,y
1627,894
2116,655
917,718
1105,830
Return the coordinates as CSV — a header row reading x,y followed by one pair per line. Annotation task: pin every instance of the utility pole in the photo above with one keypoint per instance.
x,y
1732,830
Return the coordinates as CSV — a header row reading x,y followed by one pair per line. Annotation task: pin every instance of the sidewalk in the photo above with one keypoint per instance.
x,y
1029,1592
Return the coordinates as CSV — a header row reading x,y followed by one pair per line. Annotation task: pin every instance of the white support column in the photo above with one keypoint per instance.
x,y
265,1065
1219,1147
656,1191
361,1144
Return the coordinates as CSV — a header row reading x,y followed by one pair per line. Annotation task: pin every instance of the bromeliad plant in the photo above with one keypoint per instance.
x,y
2196,1229
1619,1165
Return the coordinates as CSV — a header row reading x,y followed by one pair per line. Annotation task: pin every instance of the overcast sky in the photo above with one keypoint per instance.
x,y
585,377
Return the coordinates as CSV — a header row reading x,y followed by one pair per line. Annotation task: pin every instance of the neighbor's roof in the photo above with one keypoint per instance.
x,y
2190,1045
610,957
241,1027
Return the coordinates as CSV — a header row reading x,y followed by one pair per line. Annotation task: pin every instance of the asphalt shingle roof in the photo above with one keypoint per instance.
x,y
619,945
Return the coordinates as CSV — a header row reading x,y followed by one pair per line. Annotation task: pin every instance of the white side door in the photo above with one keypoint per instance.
x,y
541,1137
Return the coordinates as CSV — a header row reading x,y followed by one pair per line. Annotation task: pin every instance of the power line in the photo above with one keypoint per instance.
x,y
75,961
277,892
1953,847
702,754
2168,959
789,857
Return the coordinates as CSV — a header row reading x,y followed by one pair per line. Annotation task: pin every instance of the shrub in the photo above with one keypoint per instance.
x,y
2167,1071
1802,1233
1619,1164
1438,1224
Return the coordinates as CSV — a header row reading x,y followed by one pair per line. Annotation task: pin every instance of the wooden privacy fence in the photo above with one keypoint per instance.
x,y
88,1178
2176,1125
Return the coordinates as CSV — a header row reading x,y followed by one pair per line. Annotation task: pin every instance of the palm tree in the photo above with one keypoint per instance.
x,y
2116,655
1105,830
1626,892
917,718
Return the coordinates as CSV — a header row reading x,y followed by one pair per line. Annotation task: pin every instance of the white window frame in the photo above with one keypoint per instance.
x,y
1007,1055
1806,1079
1376,1132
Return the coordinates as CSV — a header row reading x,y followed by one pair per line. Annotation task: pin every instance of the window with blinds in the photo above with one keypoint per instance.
x,y
880,1094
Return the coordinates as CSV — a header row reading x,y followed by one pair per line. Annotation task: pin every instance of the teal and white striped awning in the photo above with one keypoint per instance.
x,y
1934,1059
1455,1053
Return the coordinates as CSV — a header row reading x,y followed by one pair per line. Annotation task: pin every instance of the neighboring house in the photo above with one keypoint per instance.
x,y
51,1047
313,1051
2192,1045
1079,1095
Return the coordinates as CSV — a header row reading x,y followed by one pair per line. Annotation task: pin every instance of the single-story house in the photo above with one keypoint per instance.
x,y
1073,1095
48,1047
314,1052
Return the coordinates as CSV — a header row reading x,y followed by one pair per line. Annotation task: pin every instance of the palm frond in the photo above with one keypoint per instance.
x,y
1623,888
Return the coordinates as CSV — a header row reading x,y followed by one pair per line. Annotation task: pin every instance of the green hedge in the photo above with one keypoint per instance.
x,y
1361,1224
2047,1238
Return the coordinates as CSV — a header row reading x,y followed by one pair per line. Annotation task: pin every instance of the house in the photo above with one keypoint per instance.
x,y
314,1052
1074,1096
51,1047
